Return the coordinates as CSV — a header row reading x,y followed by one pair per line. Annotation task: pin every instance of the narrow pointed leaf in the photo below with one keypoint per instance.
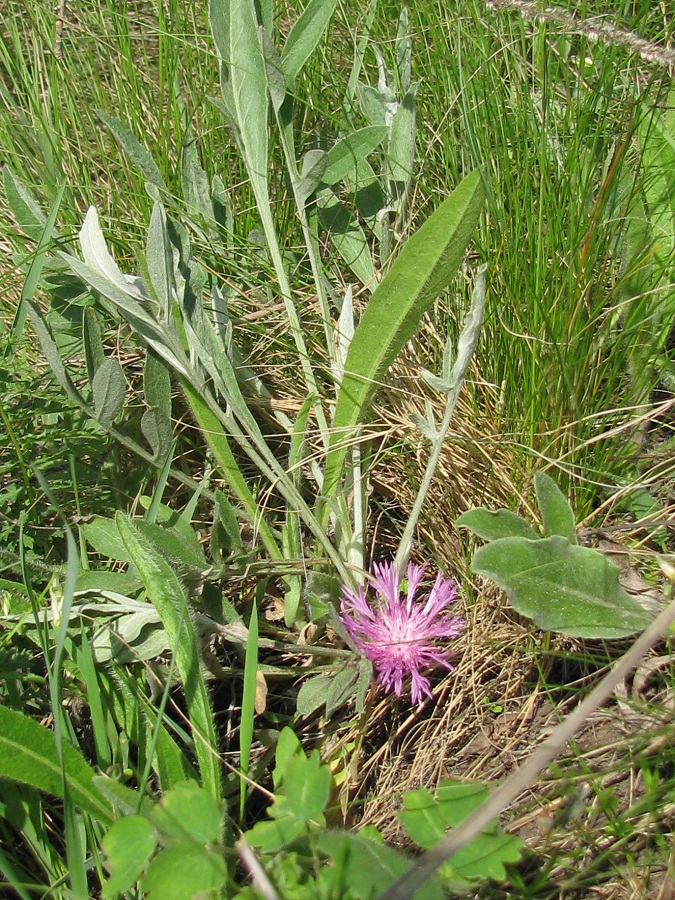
x,y
348,154
243,76
136,152
305,35
556,513
426,264
92,339
166,593
28,755
159,258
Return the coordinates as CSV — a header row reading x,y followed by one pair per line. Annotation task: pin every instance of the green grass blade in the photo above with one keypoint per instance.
x,y
167,596
425,265
248,704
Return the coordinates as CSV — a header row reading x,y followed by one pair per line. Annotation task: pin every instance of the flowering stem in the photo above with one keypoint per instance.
x,y
465,347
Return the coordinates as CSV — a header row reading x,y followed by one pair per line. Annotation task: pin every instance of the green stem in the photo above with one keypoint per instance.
x,y
465,348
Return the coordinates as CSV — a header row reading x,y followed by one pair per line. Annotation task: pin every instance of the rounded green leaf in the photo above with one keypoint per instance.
x,y
182,871
188,812
129,844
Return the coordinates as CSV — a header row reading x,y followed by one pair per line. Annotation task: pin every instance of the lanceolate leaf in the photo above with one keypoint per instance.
x,y
108,387
305,35
556,513
243,79
424,267
167,595
136,152
28,755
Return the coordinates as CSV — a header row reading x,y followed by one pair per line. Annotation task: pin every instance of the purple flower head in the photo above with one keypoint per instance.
x,y
400,634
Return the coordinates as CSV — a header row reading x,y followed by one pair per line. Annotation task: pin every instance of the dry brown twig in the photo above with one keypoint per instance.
x,y
595,29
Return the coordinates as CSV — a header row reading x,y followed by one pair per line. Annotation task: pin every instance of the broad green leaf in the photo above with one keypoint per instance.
x,y
167,595
183,871
157,383
92,339
491,526
312,174
305,35
485,856
401,145
556,513
128,844
103,536
224,515
306,786
109,388
28,755
421,818
136,152
157,430
159,259
370,867
561,587
288,746
52,355
342,687
194,180
347,155
188,813
458,799
274,834
426,818
135,637
424,267
276,81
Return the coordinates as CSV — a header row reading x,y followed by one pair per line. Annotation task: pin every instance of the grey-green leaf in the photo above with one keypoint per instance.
x,y
305,35
92,339
157,383
556,513
348,154
348,238
493,525
423,268
561,587
159,257
136,152
243,78
314,167
109,388
157,430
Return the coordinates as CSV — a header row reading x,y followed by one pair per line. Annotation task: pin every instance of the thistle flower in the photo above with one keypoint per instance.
x,y
400,635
